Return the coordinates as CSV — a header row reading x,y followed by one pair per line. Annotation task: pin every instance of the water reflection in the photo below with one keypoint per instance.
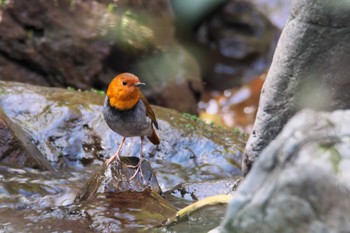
x,y
233,108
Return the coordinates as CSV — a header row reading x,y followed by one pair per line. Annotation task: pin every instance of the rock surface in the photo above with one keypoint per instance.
x,y
115,178
199,190
17,149
47,43
300,183
68,128
310,69
84,44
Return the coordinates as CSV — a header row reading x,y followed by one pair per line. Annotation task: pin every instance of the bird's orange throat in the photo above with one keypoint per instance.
x,y
122,105
123,99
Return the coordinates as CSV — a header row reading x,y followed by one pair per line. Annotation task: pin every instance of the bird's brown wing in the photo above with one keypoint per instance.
x,y
149,111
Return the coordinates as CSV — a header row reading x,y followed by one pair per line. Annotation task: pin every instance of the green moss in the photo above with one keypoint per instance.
x,y
194,122
99,92
191,117
111,7
3,3
30,34
73,3
236,131
73,89
334,154
335,159
239,132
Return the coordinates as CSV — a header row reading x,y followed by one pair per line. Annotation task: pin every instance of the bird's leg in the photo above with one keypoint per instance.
x,y
139,169
116,155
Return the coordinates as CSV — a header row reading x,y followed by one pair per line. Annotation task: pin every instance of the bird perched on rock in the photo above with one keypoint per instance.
x,y
128,113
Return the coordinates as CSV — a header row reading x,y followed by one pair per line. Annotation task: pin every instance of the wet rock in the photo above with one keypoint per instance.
x,y
310,69
238,42
8,151
17,149
300,182
199,190
112,189
116,178
52,125
68,127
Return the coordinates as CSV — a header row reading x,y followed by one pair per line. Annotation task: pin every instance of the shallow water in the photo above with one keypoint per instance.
x,y
44,201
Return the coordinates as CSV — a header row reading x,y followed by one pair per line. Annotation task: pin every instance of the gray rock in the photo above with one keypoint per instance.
x,y
68,128
300,183
310,69
116,178
203,189
16,147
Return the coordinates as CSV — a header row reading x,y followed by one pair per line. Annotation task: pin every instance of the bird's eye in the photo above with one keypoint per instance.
x,y
124,83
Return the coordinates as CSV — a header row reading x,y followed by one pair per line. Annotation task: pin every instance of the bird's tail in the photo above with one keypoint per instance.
x,y
154,137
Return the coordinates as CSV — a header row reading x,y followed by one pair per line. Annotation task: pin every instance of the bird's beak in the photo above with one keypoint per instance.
x,y
139,84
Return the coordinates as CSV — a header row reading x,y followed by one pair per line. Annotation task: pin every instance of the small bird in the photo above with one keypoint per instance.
x,y
128,113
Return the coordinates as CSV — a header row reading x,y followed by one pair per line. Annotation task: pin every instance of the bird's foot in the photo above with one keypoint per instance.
x,y
116,155
133,166
138,169
111,159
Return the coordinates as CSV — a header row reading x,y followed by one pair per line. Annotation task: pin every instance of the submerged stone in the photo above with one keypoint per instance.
x,y
116,178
